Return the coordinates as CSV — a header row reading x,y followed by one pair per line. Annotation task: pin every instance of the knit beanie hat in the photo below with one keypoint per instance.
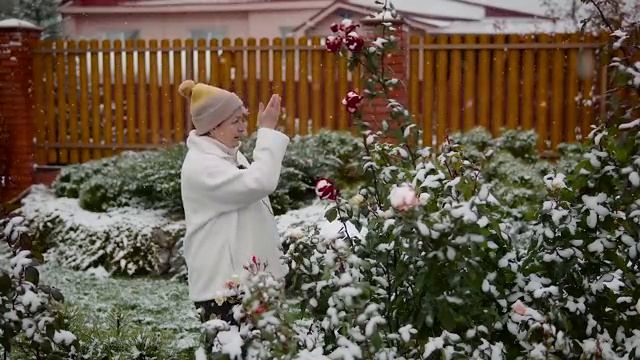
x,y
210,105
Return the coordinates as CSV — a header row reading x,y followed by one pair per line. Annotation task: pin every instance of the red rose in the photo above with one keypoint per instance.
x,y
260,310
354,42
333,43
326,190
334,27
352,100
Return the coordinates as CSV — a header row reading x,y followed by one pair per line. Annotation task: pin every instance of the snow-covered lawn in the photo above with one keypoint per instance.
x,y
152,304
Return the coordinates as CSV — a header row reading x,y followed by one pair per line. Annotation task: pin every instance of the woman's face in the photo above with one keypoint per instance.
x,y
231,131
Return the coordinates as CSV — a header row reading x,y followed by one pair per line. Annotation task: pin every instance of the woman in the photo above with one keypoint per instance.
x,y
227,211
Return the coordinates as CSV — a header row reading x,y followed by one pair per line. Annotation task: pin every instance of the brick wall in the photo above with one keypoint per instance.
x,y
375,111
16,109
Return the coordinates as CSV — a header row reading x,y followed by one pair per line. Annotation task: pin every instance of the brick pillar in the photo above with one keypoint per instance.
x,y
17,128
396,66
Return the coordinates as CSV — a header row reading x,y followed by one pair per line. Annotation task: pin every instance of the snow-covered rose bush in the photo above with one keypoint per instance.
x,y
31,316
430,261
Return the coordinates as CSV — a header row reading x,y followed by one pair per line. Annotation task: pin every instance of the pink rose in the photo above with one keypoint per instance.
x,y
519,308
403,197
231,284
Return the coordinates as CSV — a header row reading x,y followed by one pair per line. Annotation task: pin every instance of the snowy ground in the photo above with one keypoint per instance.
x,y
154,303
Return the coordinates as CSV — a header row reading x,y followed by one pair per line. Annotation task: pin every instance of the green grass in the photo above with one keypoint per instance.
x,y
124,310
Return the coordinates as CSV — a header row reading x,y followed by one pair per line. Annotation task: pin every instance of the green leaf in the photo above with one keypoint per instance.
x,y
331,214
57,295
5,283
32,275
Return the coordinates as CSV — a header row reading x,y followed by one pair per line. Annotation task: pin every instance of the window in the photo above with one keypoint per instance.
x,y
344,14
122,35
286,31
209,34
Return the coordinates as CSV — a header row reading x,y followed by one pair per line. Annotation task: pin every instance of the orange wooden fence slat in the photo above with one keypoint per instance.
x,y
154,95
542,93
107,101
329,90
557,95
603,64
118,97
343,84
143,121
50,115
74,155
276,85
61,85
188,59
165,92
303,88
131,94
441,85
427,93
316,85
528,68
38,76
290,100
178,100
414,79
96,118
572,91
238,65
214,77
225,65
201,50
85,154
265,67
484,83
469,99
497,88
252,86
455,89
513,84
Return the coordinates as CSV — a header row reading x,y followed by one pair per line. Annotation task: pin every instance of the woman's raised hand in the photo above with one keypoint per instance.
x,y
268,117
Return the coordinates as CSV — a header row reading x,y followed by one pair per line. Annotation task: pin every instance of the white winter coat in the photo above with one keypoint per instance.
x,y
227,211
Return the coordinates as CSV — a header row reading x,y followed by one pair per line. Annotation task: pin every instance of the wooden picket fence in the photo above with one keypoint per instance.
x,y
96,98
542,82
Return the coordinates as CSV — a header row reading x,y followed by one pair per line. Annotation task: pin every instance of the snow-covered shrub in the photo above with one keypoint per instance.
x,y
31,318
309,158
71,177
149,179
123,240
520,143
100,193
427,262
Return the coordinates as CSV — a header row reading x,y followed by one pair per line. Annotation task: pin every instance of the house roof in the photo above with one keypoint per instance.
x,y
416,13
528,7
191,6
445,9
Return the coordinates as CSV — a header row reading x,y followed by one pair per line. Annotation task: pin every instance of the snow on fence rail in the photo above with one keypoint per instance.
x,y
94,98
